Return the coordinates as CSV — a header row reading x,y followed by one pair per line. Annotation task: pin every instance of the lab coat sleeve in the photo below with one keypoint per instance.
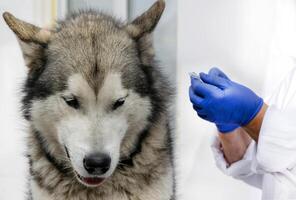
x,y
241,169
277,140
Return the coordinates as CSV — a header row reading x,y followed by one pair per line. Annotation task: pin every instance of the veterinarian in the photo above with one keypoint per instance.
x,y
256,142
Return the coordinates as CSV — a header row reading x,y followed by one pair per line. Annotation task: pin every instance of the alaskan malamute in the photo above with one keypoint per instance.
x,y
97,107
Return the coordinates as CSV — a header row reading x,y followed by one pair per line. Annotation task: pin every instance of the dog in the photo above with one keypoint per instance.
x,y
97,106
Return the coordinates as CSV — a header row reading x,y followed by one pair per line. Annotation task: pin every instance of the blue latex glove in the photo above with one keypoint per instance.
x,y
218,99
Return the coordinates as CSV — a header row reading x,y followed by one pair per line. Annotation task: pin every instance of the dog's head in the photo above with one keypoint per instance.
x,y
89,87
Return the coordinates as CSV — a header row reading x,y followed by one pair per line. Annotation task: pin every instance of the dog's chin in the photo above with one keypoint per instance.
x,y
90,181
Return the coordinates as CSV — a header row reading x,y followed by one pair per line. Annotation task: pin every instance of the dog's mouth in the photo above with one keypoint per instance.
x,y
90,181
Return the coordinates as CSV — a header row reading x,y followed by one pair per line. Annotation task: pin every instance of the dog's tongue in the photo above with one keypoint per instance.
x,y
93,181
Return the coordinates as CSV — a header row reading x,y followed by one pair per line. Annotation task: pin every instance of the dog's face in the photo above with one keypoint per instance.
x,y
87,89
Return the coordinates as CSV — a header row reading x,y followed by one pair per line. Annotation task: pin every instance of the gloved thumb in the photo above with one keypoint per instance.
x,y
217,72
217,81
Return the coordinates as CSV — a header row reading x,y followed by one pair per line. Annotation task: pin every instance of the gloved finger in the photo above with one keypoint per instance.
x,y
204,117
197,108
195,99
217,72
202,89
200,111
214,80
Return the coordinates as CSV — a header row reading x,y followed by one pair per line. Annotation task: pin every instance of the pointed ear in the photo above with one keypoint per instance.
x,y
147,21
32,39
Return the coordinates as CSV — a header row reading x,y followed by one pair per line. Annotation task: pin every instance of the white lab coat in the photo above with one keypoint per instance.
x,y
271,164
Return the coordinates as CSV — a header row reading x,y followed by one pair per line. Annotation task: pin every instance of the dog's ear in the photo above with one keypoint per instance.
x,y
32,39
146,22
141,28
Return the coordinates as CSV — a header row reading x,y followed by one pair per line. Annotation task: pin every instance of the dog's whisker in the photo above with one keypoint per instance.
x,y
122,164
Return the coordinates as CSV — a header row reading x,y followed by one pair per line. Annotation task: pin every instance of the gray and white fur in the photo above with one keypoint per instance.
x,y
94,91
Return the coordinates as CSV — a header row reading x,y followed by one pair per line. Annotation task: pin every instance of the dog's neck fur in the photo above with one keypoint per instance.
x,y
149,178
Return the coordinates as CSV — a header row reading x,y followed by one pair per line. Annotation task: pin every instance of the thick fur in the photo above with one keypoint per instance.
x,y
99,59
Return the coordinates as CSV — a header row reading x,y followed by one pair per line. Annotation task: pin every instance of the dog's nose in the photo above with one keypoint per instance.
x,y
97,163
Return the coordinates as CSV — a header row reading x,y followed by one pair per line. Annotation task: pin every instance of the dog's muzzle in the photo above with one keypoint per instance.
x,y
95,164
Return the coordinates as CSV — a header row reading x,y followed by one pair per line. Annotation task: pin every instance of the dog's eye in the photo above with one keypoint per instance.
x,y
72,102
118,103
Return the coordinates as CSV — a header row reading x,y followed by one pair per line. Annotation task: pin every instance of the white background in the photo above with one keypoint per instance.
x,y
253,41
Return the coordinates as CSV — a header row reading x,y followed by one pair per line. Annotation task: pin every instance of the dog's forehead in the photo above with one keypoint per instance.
x,y
93,46
92,39
111,88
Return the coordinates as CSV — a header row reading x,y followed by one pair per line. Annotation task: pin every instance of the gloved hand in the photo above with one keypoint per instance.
x,y
218,99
